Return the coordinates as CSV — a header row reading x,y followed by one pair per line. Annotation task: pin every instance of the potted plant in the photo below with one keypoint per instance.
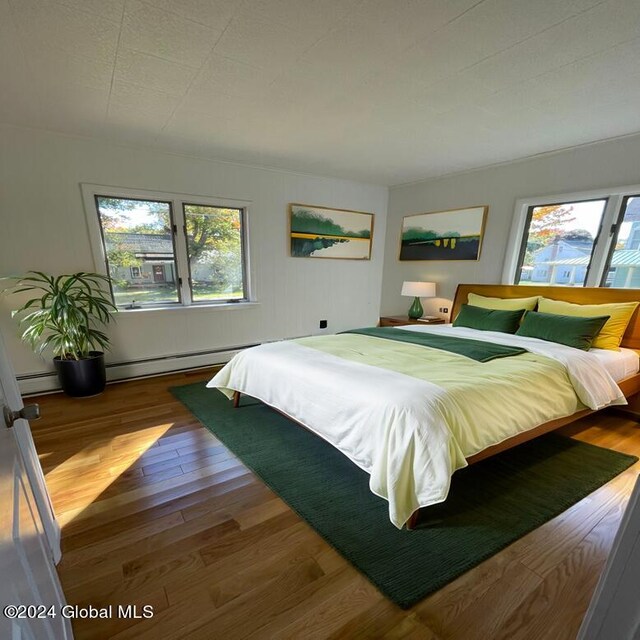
x,y
64,315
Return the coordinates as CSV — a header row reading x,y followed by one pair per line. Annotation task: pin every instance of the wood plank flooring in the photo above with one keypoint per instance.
x,y
156,511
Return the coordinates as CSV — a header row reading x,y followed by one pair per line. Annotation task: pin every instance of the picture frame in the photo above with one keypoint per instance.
x,y
448,235
325,232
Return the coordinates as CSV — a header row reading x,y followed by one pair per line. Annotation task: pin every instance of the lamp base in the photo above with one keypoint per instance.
x,y
416,309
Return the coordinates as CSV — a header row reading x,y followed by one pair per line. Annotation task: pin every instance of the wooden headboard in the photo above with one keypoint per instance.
x,y
577,295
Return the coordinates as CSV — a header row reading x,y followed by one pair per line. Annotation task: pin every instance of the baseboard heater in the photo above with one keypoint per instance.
x,y
47,381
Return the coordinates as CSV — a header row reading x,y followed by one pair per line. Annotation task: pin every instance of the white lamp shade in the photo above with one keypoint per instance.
x,y
419,289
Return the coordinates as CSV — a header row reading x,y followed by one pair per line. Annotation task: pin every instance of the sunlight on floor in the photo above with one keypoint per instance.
x,y
82,478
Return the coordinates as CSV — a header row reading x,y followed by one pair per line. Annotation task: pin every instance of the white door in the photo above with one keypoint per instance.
x,y
24,440
31,598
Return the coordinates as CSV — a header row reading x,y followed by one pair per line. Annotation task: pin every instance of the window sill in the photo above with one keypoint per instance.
x,y
225,306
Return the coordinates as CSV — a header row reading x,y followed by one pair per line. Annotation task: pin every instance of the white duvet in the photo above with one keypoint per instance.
x,y
389,424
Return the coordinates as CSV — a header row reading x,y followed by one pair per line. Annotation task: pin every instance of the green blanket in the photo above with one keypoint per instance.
x,y
475,349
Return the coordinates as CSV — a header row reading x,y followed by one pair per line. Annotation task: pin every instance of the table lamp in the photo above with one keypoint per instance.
x,y
418,290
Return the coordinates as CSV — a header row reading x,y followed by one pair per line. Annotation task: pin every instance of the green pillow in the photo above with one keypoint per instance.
x,y
488,319
573,331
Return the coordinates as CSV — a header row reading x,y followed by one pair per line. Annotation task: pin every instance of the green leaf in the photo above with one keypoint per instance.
x,y
63,315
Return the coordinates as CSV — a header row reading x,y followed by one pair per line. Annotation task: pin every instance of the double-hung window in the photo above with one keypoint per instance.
x,y
585,239
164,249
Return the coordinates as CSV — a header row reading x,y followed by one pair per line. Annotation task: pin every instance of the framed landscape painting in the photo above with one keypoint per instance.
x,y
443,235
319,232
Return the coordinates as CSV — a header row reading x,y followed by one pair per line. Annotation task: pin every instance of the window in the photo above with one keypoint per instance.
x,y
138,234
164,250
214,243
585,239
624,258
558,236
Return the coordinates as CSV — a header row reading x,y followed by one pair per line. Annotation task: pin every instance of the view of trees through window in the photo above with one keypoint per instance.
x,y
214,241
144,261
559,242
138,240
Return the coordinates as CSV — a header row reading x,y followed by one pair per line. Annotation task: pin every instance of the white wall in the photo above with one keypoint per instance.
x,y
602,165
42,226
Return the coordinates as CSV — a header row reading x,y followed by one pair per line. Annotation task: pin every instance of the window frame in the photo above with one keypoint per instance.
x,y
103,244
243,249
527,224
176,200
609,226
615,232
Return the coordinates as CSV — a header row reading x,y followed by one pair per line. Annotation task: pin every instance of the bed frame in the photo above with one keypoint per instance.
x,y
580,295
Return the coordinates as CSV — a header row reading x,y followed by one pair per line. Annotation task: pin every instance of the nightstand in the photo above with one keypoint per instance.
x,y
398,321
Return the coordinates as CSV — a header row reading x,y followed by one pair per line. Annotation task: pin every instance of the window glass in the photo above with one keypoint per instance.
x,y
558,243
138,243
623,269
214,248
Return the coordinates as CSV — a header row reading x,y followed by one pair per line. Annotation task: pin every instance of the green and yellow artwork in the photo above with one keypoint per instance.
x,y
443,235
319,232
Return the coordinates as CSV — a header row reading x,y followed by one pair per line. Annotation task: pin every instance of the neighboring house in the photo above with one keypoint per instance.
x,y
566,262
632,214
153,254
153,260
624,270
554,263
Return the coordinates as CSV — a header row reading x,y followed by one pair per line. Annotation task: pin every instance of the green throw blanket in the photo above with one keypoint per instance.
x,y
475,349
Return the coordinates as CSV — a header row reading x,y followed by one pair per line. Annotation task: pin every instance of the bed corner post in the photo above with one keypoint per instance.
x,y
236,399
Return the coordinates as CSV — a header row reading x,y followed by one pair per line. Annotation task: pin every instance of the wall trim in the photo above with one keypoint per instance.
x,y
47,382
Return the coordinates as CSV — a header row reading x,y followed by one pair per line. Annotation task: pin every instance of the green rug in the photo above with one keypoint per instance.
x,y
490,504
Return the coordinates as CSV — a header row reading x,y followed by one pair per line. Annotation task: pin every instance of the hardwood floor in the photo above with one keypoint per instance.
x,y
155,511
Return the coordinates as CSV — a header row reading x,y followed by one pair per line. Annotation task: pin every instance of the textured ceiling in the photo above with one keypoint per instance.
x,y
386,91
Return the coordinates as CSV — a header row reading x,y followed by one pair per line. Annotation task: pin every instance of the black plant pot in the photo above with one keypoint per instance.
x,y
84,377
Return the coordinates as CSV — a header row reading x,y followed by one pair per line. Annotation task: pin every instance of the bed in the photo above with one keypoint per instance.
x,y
411,415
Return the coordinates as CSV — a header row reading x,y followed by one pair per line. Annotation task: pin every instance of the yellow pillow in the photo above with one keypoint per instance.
x,y
504,304
611,334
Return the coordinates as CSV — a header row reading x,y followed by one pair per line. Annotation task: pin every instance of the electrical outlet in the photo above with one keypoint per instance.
x,y
323,324
444,309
